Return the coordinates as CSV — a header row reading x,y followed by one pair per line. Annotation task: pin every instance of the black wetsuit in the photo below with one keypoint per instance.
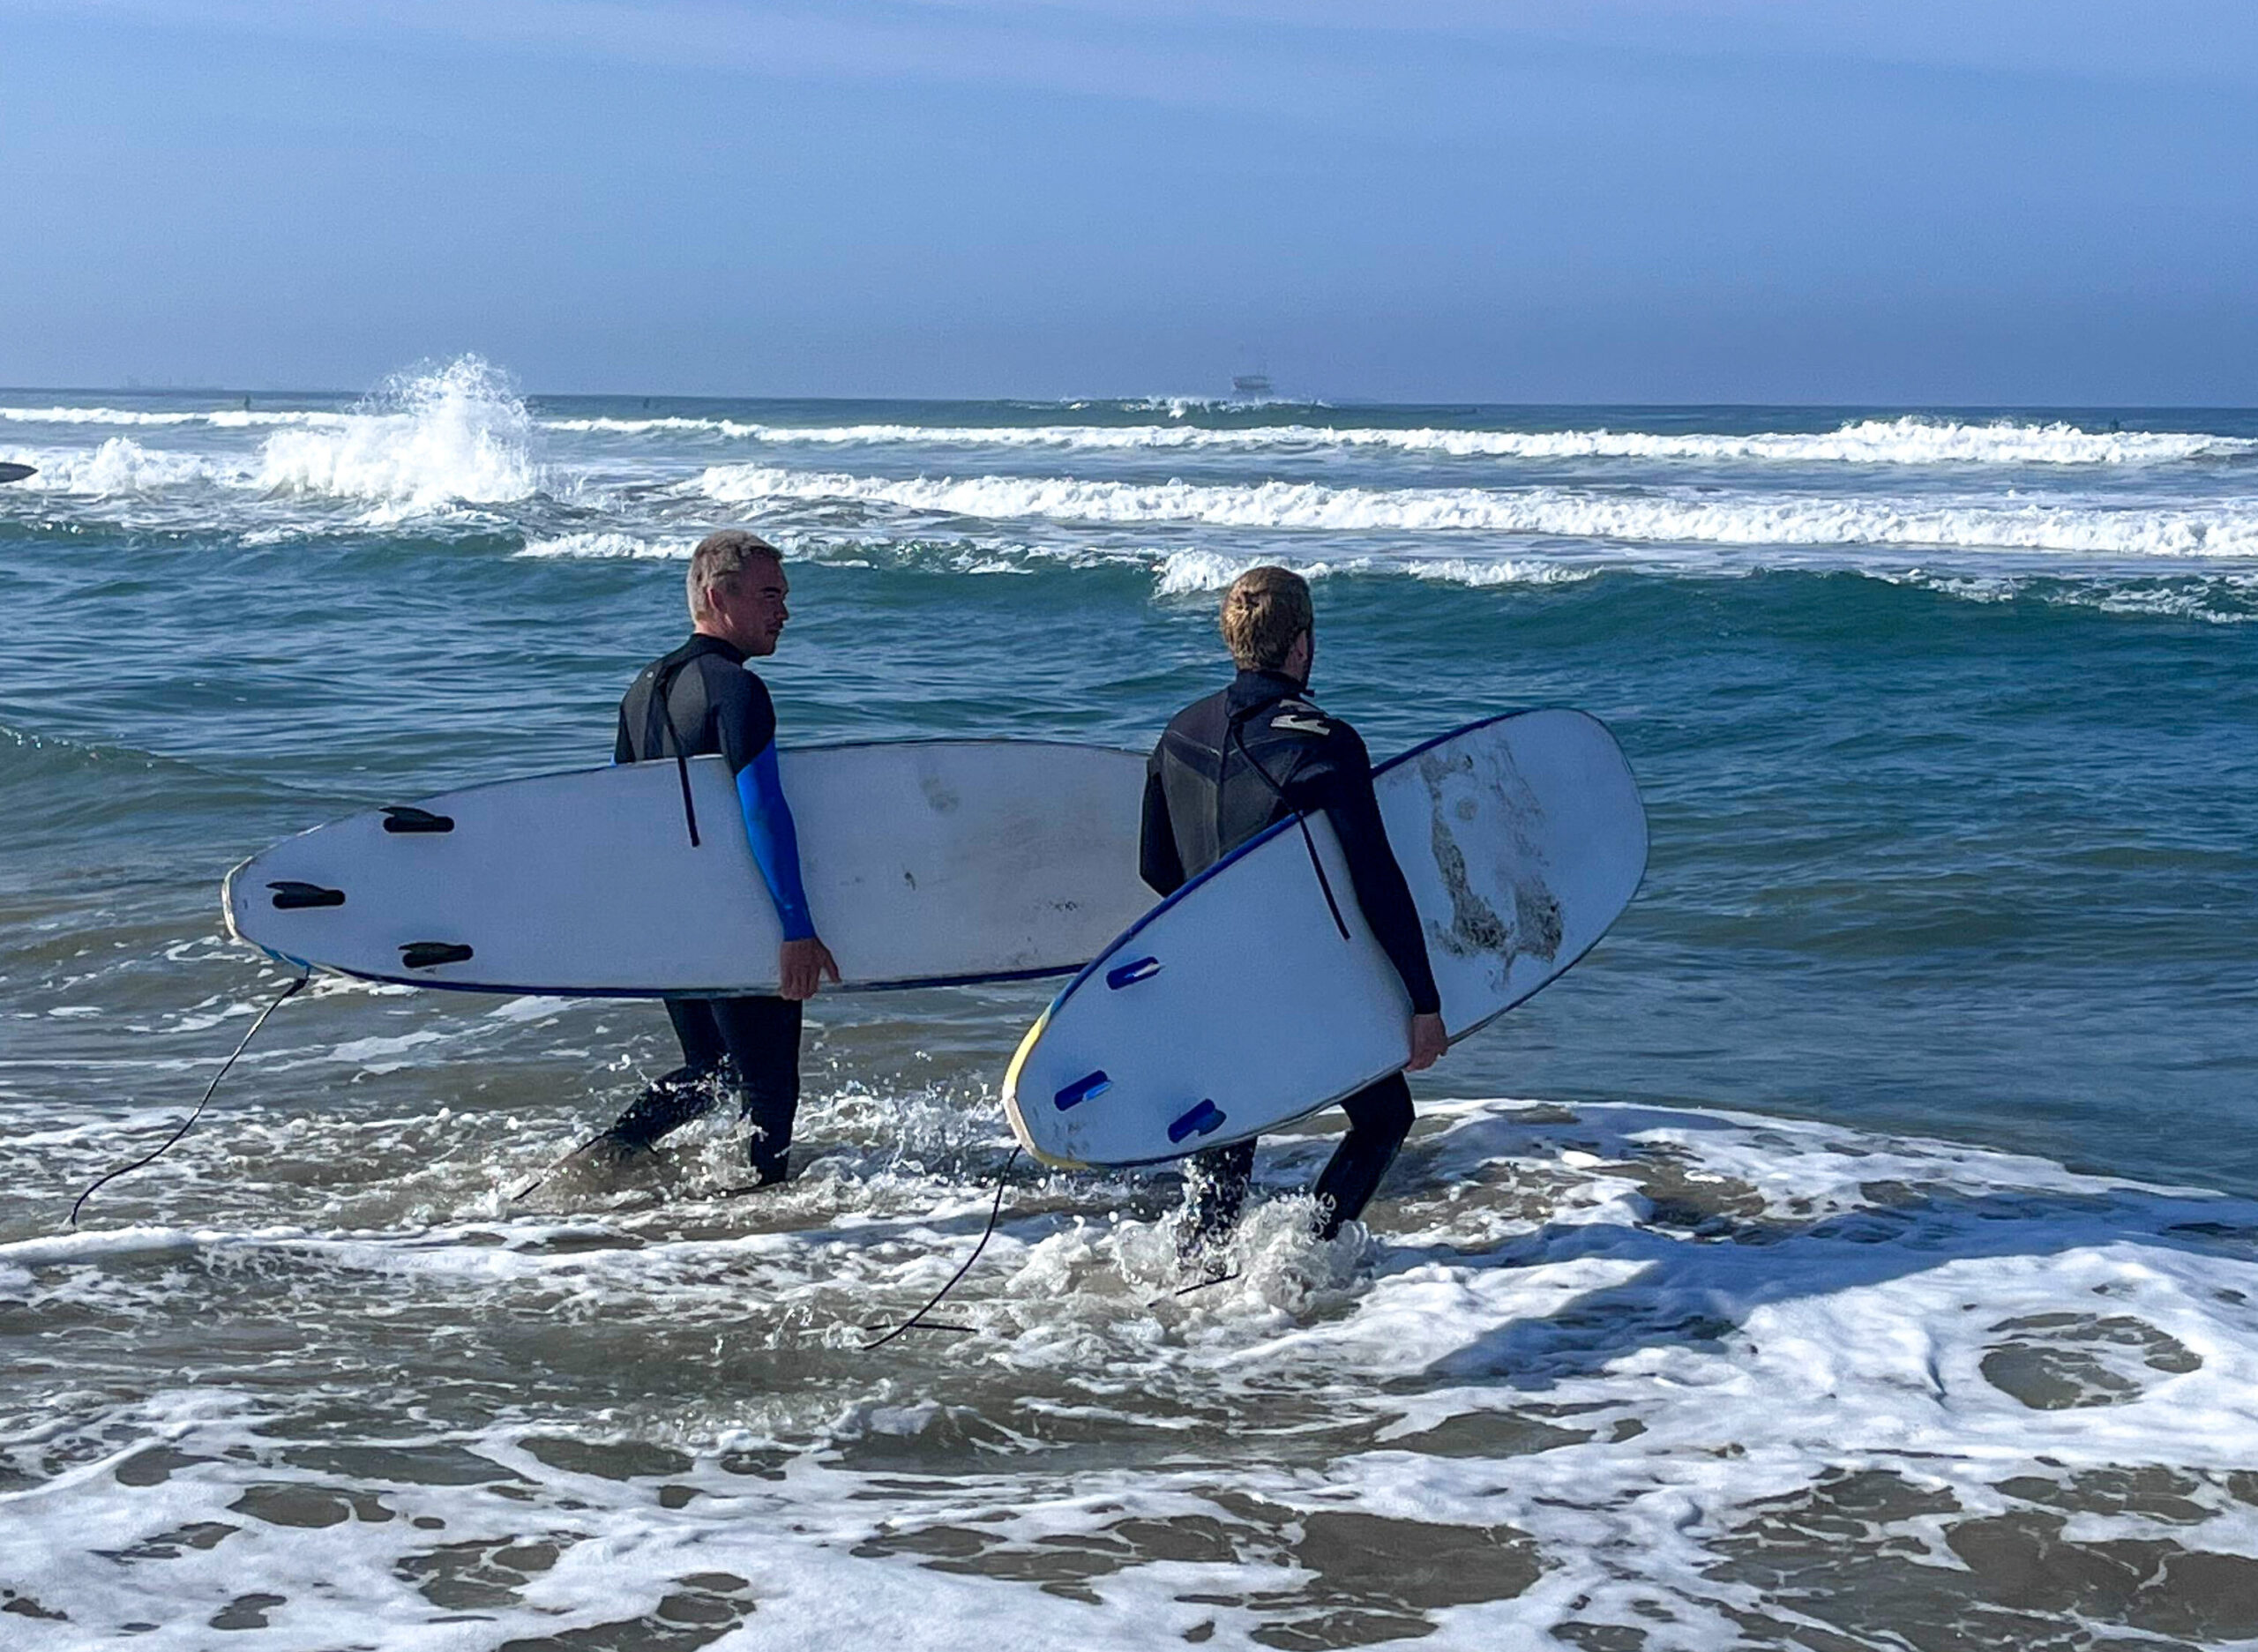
x,y
699,700
1225,769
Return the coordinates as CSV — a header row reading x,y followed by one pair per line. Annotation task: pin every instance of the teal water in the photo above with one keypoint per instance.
x,y
1947,837
1943,718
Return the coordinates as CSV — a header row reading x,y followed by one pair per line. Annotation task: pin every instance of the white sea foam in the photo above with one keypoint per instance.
x,y
120,465
1908,441
2224,530
1175,572
215,418
1184,572
428,442
1616,1366
605,545
2214,599
455,434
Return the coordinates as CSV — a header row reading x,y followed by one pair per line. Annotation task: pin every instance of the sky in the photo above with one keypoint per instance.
x,y
1908,202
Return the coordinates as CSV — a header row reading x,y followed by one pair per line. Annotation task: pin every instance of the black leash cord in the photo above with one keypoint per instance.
x,y
189,1122
663,688
1301,819
915,1321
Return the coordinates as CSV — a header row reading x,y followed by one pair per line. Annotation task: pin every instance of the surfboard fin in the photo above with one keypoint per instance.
x,y
1081,1090
1202,1120
290,895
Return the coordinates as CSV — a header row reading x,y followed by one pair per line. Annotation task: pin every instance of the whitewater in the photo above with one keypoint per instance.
x,y
1858,1249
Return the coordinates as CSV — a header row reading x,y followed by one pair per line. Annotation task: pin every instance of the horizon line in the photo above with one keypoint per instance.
x,y
1216,399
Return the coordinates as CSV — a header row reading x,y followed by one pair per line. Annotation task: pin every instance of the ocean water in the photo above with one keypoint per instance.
x,y
1859,1249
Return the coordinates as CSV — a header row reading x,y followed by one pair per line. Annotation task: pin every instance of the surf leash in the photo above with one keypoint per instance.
x,y
661,686
917,1321
1208,1283
188,1124
558,1164
1301,819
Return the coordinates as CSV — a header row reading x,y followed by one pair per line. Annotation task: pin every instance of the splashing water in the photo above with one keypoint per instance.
x,y
429,438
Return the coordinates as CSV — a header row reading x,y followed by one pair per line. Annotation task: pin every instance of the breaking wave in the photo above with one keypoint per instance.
x,y
608,546
1911,441
1187,573
457,433
1545,513
428,440
217,419
121,465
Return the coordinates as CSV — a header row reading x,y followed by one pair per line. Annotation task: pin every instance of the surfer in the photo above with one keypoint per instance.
x,y
1226,768
697,701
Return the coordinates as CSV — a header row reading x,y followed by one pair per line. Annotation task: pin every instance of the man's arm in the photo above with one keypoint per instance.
x,y
1382,894
1157,860
745,720
775,842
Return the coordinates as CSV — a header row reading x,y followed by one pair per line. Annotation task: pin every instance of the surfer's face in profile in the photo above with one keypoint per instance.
x,y
748,608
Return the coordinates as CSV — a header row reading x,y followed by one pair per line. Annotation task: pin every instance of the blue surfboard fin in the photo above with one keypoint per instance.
x,y
1202,1120
1081,1090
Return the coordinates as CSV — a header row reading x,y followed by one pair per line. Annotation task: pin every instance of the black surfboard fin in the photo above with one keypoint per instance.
x,y
290,895
402,817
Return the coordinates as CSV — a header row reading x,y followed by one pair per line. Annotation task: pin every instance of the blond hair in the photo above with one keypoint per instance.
x,y
1265,610
720,557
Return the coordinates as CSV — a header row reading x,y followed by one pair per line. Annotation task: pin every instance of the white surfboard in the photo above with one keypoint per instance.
x,y
1236,1006
925,863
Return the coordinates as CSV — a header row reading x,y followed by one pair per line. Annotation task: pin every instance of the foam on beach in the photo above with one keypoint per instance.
x,y
1607,1365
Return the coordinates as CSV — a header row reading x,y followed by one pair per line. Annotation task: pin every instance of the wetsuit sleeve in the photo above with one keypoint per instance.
x,y
1158,862
744,722
744,718
1382,894
775,842
623,749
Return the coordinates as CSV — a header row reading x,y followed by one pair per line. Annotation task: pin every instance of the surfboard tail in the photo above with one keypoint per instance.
x,y
228,902
1011,1097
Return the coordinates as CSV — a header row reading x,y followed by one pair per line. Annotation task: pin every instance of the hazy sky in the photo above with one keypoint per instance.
x,y
1908,200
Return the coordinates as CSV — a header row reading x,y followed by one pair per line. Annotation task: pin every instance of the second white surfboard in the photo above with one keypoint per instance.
x,y
1236,1005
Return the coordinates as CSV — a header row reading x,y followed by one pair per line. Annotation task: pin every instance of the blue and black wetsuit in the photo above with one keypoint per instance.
x,y
700,701
1226,768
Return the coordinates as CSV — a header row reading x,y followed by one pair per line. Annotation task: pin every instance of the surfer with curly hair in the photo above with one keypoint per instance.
x,y
1227,768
